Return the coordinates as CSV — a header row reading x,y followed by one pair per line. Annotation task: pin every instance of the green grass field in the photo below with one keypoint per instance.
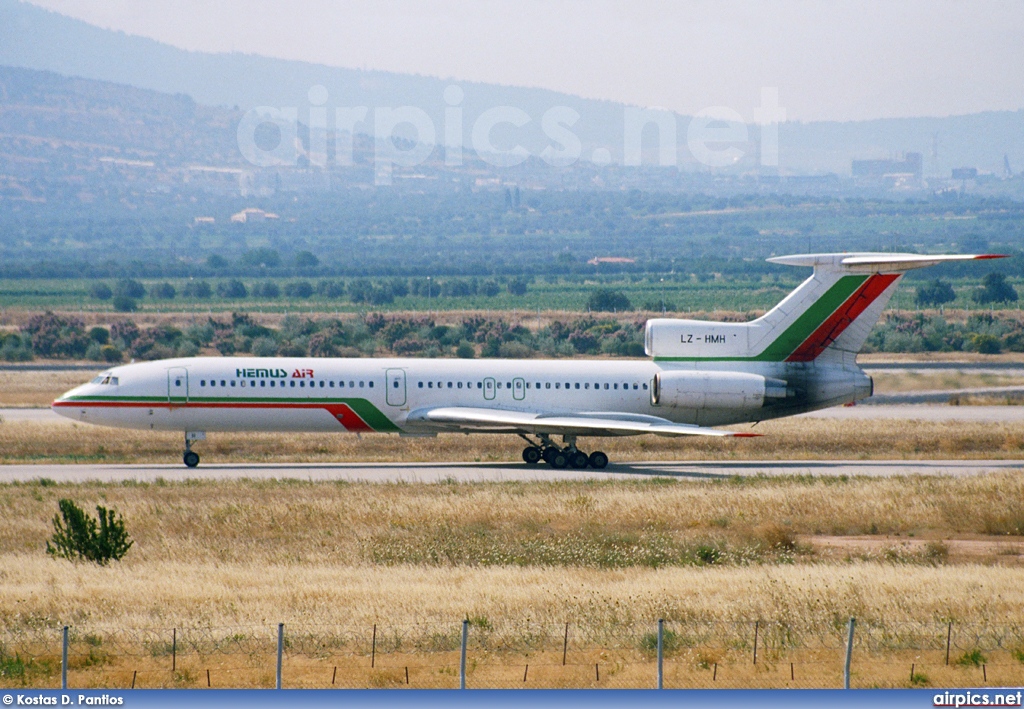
x,y
646,294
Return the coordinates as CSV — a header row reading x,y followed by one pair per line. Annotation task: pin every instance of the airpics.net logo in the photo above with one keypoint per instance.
x,y
407,136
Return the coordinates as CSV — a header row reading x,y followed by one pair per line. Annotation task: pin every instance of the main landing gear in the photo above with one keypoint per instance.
x,y
567,456
191,458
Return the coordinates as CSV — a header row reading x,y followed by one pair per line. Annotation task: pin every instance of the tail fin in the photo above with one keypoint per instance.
x,y
833,311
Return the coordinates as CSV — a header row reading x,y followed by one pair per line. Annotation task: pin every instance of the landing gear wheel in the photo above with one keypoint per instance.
x,y
598,460
578,459
191,459
559,459
531,454
548,453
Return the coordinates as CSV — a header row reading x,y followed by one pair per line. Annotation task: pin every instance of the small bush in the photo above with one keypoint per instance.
x,y
76,535
974,658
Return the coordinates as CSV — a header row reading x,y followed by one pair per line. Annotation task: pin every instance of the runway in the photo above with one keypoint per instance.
x,y
497,472
918,412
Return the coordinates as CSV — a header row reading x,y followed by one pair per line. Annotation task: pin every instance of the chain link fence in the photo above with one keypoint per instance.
x,y
510,653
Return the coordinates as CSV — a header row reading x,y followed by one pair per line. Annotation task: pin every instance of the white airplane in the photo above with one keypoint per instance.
x,y
798,357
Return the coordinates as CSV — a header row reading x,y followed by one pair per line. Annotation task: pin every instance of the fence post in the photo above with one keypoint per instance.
x,y
661,652
565,644
462,661
373,648
949,635
849,655
757,626
280,651
64,660
174,650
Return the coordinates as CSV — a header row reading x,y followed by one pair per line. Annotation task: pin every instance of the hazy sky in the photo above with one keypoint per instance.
x,y
829,60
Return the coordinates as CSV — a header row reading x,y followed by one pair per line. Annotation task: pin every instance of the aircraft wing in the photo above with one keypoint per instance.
x,y
466,419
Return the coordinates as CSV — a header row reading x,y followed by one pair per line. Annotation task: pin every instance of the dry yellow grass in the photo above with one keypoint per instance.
x,y
895,382
34,388
784,439
229,560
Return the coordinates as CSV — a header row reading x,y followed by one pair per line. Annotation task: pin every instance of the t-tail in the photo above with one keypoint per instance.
x,y
828,317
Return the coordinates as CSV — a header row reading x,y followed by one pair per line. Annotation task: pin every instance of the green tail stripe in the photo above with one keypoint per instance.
x,y
812,318
803,327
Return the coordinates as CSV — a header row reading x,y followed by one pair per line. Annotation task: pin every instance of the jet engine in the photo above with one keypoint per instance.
x,y
714,390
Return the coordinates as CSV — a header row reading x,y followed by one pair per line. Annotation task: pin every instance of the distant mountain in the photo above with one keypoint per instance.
x,y
38,39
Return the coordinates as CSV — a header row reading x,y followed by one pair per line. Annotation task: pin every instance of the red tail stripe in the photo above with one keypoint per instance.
x,y
837,322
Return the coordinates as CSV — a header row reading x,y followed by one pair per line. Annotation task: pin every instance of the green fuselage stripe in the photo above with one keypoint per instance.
x,y
364,409
794,335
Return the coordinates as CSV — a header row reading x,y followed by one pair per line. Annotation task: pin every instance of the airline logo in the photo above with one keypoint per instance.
x,y
273,374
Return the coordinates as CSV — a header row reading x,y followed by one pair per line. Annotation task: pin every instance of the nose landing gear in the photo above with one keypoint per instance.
x,y
190,457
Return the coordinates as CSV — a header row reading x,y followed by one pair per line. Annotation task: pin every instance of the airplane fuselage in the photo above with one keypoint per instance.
x,y
363,395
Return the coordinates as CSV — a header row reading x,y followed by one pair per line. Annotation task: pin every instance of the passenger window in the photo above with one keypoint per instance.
x,y
430,385
616,385
460,385
293,382
567,385
508,385
351,384
242,382
449,385
321,385
479,385
547,385
302,384
202,382
606,385
420,384
232,382
273,383
634,386
645,386
577,385
331,385
558,385
223,383
360,385
371,385
177,382
586,385
499,385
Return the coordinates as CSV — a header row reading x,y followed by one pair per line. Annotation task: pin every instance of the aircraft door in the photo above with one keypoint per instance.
x,y
519,389
395,379
489,388
177,386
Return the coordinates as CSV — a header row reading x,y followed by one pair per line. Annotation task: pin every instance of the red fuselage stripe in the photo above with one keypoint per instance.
x,y
341,412
830,330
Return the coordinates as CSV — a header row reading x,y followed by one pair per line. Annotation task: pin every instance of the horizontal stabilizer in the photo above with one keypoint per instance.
x,y
458,418
875,262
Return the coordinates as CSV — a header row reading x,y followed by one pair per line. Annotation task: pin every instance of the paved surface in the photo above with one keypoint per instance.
x,y
936,412
497,472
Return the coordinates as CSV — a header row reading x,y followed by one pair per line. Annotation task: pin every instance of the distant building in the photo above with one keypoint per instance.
x,y
965,173
252,215
610,259
911,164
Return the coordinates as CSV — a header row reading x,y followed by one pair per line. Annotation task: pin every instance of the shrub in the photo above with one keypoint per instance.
x,y
517,286
267,289
76,535
974,658
130,288
465,351
935,292
298,289
995,289
164,291
100,335
232,289
264,347
604,299
197,289
56,336
101,291
124,304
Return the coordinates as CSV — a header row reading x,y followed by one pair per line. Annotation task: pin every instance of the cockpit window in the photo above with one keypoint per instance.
x,y
105,379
